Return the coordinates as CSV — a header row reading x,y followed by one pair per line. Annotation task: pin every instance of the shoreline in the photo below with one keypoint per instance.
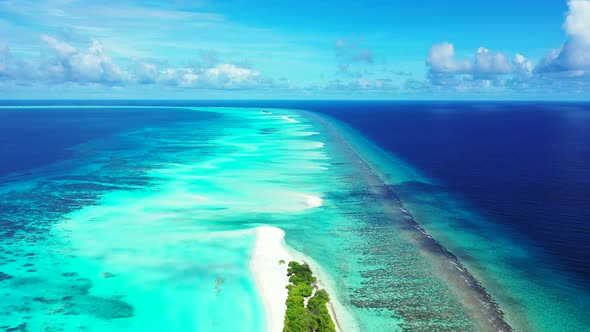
x,y
271,278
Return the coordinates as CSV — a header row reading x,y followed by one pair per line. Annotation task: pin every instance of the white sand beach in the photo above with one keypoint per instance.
x,y
271,277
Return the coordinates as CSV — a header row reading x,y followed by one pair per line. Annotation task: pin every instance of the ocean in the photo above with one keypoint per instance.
x,y
526,166
112,214
508,184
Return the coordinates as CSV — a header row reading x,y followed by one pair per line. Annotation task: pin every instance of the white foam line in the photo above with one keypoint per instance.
x,y
284,117
314,202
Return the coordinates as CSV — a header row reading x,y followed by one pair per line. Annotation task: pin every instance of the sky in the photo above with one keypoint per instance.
x,y
237,49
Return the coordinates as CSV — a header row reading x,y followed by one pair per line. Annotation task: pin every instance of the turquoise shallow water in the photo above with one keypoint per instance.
x,y
153,222
148,227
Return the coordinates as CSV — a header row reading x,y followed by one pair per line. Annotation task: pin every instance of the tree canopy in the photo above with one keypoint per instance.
x,y
314,317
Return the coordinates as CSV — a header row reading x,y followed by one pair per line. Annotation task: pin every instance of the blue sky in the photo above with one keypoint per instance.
x,y
234,49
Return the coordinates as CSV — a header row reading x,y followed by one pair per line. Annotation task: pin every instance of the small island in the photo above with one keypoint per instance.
x,y
307,305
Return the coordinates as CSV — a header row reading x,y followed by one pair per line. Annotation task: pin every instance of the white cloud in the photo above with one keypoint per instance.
x,y
222,76
146,73
577,23
522,66
566,67
485,64
171,76
66,63
441,59
83,66
488,64
189,78
486,70
574,55
62,48
228,75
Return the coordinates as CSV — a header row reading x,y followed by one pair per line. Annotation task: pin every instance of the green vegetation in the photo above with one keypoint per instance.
x,y
315,316
282,261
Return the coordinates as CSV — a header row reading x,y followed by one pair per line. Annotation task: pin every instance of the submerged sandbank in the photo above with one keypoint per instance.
x,y
268,263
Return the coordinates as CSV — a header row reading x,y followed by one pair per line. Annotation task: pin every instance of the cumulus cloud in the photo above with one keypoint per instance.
x,y
482,71
566,68
441,59
488,64
485,64
523,67
573,57
230,76
91,65
146,73
577,23
221,76
66,63
61,48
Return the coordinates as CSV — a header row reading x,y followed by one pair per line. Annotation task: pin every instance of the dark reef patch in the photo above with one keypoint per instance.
x,y
20,328
69,274
5,276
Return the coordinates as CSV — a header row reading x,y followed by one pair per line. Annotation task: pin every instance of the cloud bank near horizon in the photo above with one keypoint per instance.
x,y
77,56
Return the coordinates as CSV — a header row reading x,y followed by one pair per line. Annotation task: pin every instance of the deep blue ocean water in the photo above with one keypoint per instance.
x,y
526,166
31,138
